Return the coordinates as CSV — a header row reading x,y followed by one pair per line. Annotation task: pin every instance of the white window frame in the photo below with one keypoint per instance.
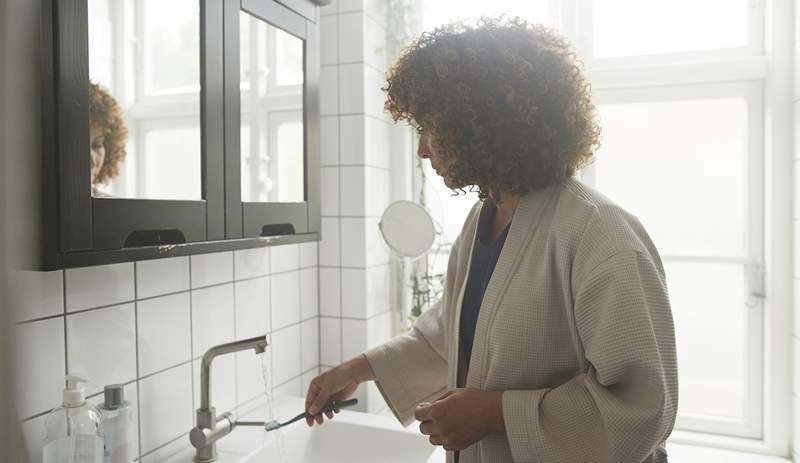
x,y
752,92
762,70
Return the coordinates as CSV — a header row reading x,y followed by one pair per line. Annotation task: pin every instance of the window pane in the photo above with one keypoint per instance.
x,y
144,68
171,38
644,27
289,59
272,133
438,12
170,170
681,168
710,330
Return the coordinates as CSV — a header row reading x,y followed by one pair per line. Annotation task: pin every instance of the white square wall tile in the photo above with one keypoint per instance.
x,y
212,269
309,338
328,91
796,358
212,318
286,354
285,299
346,6
329,184
330,341
38,366
165,330
351,37
101,344
376,191
284,258
329,291
329,245
379,329
353,191
165,406
377,253
306,379
329,9
289,389
252,308
167,452
373,97
377,142
99,286
328,30
354,338
352,135
354,252
250,374
308,254
796,282
250,263
309,289
374,42
223,383
36,294
354,293
351,88
161,276
329,140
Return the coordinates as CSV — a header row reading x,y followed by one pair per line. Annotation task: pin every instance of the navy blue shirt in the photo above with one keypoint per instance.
x,y
484,259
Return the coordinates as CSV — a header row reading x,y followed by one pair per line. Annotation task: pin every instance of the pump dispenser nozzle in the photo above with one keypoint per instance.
x,y
74,394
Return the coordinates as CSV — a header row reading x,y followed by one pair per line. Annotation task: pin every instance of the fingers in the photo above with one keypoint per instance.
x,y
423,411
446,394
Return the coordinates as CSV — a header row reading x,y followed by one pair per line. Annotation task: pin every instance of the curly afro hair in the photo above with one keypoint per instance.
x,y
505,101
105,112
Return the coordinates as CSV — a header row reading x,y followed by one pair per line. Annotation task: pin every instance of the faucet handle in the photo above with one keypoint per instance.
x,y
203,437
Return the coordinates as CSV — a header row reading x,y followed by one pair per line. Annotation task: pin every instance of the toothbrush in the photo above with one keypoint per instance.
x,y
274,424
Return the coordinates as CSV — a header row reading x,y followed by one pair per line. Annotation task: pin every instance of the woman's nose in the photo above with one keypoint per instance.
x,y
423,151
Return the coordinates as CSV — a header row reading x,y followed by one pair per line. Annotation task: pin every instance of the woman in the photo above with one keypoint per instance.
x,y
107,137
554,340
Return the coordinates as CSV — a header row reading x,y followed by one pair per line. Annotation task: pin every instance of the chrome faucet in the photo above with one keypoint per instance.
x,y
210,427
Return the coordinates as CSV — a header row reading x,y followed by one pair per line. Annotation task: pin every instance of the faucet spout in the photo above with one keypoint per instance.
x,y
258,344
204,436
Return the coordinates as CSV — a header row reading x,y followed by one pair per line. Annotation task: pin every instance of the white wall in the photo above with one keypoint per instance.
x,y
796,329
355,308
146,324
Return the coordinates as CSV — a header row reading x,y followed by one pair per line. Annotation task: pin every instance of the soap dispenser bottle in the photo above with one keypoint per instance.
x,y
117,425
74,430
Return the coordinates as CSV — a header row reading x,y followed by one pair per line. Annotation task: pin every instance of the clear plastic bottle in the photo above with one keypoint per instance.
x,y
74,430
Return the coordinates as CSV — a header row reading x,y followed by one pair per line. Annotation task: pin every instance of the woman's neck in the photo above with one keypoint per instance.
x,y
506,204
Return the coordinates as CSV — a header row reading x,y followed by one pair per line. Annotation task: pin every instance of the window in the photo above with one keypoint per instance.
x,y
683,116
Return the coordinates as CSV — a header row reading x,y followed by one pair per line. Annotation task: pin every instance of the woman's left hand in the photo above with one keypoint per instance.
x,y
461,417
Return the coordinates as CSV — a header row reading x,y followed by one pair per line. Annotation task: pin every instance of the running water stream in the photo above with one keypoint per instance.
x,y
275,436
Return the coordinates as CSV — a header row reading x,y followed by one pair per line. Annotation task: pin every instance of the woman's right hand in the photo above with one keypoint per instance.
x,y
335,385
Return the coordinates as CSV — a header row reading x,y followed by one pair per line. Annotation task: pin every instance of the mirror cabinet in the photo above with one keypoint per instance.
x,y
179,127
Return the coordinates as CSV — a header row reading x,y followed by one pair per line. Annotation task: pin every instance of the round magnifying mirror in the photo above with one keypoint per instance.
x,y
407,229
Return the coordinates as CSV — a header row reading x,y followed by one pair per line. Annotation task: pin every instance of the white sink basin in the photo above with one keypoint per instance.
x,y
351,437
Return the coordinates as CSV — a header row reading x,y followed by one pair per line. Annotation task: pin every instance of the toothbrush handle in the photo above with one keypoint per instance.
x,y
327,408
338,405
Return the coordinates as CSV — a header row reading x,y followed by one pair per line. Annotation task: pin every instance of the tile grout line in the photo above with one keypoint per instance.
x,y
339,170
64,314
235,337
191,340
136,350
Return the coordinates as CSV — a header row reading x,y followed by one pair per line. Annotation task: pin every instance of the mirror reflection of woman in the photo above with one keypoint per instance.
x,y
554,339
108,135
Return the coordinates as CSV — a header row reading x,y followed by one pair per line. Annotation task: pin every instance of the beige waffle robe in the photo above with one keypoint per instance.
x,y
575,328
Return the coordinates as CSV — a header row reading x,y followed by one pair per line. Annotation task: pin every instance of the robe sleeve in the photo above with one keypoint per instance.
x,y
412,367
624,406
